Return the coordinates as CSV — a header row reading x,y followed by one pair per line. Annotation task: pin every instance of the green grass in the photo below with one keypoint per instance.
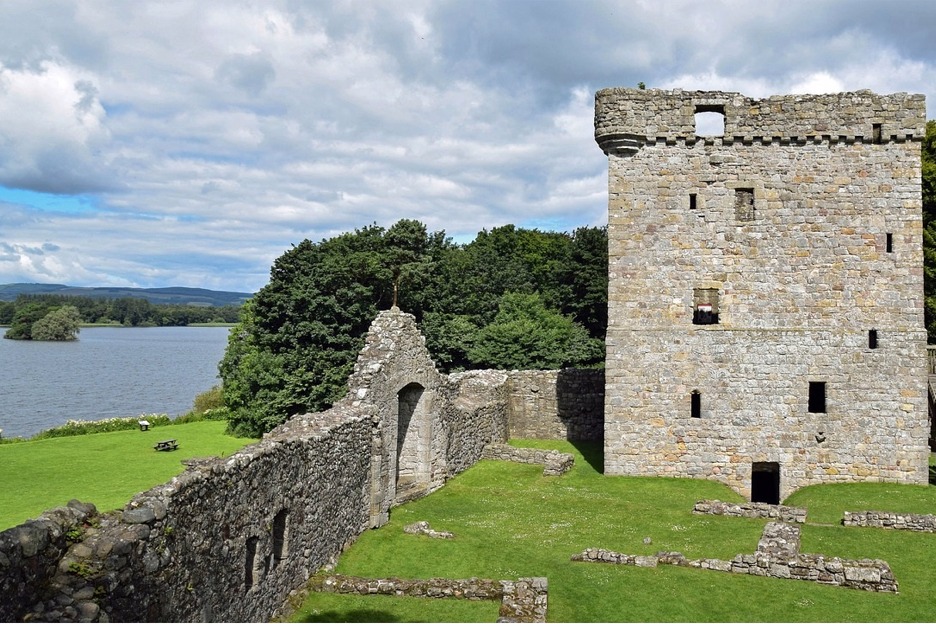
x,y
106,469
510,521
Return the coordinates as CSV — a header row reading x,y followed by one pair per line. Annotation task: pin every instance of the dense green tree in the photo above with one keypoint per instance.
x,y
59,324
929,227
300,335
526,334
24,318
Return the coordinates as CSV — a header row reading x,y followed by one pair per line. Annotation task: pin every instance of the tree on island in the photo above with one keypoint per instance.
x,y
38,322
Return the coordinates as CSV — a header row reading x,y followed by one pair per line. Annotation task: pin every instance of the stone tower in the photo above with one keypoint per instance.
x,y
765,289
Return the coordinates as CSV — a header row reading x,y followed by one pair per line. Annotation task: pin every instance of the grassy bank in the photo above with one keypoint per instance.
x,y
510,521
106,469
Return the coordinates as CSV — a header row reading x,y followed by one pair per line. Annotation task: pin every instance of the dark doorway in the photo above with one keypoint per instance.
x,y
765,482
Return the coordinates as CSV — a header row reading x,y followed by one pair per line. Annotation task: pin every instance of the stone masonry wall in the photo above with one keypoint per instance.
x,y
800,229
922,523
557,405
230,538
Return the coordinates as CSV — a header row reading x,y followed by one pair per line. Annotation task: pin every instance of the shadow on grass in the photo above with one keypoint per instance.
x,y
354,615
593,452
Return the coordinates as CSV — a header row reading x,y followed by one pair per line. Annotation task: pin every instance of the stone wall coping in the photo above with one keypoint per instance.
x,y
751,510
522,600
922,523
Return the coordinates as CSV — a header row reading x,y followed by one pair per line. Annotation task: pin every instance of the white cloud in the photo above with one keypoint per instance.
x,y
51,129
210,136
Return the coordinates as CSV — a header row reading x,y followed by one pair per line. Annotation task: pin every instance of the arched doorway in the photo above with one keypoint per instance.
x,y
412,441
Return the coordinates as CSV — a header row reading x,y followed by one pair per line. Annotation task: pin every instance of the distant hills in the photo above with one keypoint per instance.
x,y
174,294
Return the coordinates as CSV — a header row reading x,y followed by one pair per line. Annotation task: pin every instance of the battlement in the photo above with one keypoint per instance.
x,y
627,119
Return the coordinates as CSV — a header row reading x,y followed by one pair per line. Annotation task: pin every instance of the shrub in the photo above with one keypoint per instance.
x,y
82,427
209,400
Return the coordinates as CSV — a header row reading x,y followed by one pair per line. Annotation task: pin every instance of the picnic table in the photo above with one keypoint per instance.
x,y
166,445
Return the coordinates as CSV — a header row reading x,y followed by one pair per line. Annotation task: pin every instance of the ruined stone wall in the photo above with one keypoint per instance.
x,y
230,538
557,405
800,231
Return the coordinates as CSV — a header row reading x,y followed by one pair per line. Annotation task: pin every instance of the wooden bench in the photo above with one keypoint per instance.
x,y
166,445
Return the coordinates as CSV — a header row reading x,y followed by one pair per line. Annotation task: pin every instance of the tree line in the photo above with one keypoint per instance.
x,y
512,298
25,311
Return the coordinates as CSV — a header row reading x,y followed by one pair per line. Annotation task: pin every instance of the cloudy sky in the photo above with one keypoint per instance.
x,y
191,142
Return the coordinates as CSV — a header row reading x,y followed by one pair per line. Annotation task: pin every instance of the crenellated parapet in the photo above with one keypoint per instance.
x,y
627,119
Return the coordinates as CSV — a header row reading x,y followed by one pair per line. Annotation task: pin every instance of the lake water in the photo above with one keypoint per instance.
x,y
108,372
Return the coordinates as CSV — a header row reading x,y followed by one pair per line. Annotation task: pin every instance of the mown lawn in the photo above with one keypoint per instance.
x,y
106,469
510,521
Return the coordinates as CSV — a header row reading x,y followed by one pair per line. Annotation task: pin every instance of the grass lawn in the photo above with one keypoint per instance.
x,y
106,469
510,521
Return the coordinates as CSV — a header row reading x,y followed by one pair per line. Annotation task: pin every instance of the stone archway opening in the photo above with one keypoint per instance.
x,y
412,441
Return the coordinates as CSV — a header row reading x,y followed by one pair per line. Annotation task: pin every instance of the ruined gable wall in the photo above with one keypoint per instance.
x,y
230,538
799,286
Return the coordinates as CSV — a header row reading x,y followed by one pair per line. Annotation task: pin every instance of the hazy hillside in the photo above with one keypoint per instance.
x,y
178,295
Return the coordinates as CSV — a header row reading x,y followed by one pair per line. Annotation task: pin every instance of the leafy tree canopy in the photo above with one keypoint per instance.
x,y
300,335
60,324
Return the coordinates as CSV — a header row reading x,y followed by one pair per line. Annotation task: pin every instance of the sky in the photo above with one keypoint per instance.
x,y
192,142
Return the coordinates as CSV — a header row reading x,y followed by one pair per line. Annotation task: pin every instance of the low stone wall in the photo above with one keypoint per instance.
x,y
554,462
30,554
523,600
889,520
751,510
557,405
777,556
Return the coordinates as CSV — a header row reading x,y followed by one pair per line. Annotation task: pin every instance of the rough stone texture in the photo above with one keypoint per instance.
x,y
798,278
556,405
422,528
890,520
30,555
554,463
777,556
231,538
523,600
751,510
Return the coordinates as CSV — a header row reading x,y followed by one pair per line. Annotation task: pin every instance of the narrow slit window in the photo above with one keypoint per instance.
x,y
692,201
695,404
889,242
876,133
817,397
744,204
705,306
872,339
250,563
279,537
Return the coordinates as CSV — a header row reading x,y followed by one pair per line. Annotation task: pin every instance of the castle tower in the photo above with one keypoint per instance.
x,y
765,288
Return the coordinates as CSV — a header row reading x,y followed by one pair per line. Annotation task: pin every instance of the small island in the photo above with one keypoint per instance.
x,y
35,322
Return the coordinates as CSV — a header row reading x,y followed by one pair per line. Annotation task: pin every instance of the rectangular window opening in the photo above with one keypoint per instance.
x,y
692,201
872,339
817,397
744,204
710,120
876,133
695,404
705,306
889,242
